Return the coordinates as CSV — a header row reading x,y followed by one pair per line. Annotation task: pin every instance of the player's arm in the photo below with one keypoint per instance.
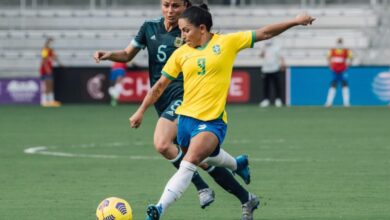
x,y
55,57
273,30
153,95
45,58
329,56
262,53
350,58
282,63
123,56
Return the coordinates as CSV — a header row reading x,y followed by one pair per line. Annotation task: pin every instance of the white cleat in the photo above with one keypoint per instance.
x,y
206,197
264,103
249,207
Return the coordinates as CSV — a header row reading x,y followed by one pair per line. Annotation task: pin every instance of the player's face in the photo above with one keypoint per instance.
x,y
172,9
191,35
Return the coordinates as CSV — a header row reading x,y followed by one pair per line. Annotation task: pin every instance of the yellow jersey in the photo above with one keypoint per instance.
x,y
207,72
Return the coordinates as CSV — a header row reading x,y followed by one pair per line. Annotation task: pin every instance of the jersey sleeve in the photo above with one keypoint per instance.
x,y
329,54
172,68
139,41
350,54
45,53
242,40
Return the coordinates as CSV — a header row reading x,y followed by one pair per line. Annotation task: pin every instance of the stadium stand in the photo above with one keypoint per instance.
x,y
79,32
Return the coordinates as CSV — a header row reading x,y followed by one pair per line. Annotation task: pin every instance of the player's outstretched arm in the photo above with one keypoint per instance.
x,y
123,56
152,96
272,30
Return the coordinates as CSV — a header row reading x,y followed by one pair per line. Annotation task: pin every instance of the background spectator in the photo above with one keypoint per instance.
x,y
271,70
46,71
339,59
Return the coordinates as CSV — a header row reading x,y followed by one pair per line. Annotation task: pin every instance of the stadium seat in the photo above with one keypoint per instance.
x,y
78,33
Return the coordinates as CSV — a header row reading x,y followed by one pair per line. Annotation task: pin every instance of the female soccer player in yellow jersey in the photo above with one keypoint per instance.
x,y
161,37
206,62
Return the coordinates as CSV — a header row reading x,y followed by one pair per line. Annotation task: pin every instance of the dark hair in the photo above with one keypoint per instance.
x,y
198,15
187,2
195,2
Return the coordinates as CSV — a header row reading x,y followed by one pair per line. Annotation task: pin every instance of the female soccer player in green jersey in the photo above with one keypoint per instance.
x,y
162,37
206,62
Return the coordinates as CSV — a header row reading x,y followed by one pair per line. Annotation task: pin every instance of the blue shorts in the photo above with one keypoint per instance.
x,y
340,77
189,127
47,77
170,112
116,73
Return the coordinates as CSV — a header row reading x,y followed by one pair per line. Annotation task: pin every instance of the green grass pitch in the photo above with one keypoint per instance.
x,y
307,163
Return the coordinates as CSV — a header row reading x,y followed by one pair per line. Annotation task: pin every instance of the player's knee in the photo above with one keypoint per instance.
x,y
345,83
194,159
204,166
162,146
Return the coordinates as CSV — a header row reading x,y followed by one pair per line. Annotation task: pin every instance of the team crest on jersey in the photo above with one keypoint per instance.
x,y
178,42
217,49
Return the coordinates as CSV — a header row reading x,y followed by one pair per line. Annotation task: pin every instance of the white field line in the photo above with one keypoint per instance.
x,y
44,150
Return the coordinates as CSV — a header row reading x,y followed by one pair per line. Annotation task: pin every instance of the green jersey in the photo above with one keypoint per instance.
x,y
160,45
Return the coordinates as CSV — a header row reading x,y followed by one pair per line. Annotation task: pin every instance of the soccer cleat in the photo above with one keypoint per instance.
x,y
243,168
249,207
206,197
55,104
278,103
153,212
51,104
45,104
264,103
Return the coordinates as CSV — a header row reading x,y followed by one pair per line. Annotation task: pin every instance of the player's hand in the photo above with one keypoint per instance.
x,y
304,19
136,120
101,55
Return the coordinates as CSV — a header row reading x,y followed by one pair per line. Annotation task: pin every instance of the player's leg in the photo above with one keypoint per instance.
x,y
111,88
332,91
50,92
226,180
345,91
44,100
115,90
164,134
219,158
265,102
202,145
198,149
239,165
202,142
47,96
277,88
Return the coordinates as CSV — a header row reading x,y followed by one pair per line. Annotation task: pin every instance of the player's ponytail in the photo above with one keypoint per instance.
x,y
199,3
204,6
188,3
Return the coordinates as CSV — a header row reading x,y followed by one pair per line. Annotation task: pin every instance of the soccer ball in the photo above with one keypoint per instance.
x,y
114,208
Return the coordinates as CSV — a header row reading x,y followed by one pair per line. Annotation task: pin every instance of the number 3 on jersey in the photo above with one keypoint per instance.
x,y
202,66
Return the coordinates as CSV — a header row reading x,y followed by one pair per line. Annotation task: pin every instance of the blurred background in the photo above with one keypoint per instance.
x,y
80,27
